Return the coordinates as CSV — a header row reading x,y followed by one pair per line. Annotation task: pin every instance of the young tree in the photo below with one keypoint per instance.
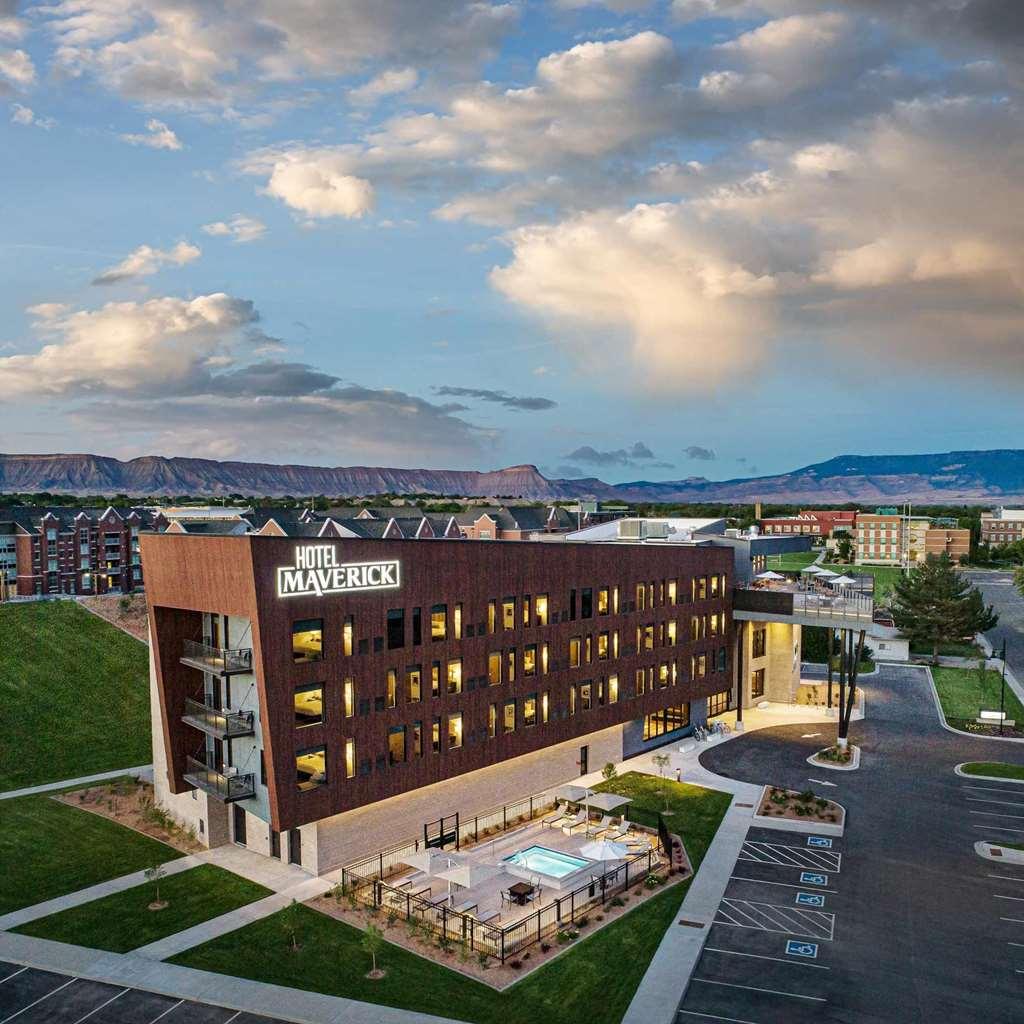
x,y
844,549
608,772
661,762
290,924
373,943
154,875
934,604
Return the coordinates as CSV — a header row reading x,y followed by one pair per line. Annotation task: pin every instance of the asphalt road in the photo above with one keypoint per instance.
x,y
999,591
928,930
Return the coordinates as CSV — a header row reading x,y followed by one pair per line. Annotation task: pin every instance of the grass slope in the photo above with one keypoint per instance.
x,y
962,695
48,849
74,692
123,921
885,577
995,770
792,561
594,981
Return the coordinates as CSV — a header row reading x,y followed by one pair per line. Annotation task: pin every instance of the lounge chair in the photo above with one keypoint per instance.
x,y
603,826
618,831
578,820
556,817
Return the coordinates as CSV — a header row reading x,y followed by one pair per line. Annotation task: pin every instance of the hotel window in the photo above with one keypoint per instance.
x,y
508,613
543,659
417,627
759,644
439,622
435,679
307,639
540,610
455,731
721,659
417,739
602,646
757,683
508,717
714,586
545,705
645,638
719,703
663,675
391,693
492,616
311,767
455,676
526,610
666,720
698,666
700,588
435,736
587,603
414,683
347,631
572,699
494,668
350,759
575,647
695,621
613,689
572,606
673,591
602,601
714,623
349,698
529,710
586,696
641,597
396,744
51,535
457,622
675,672
530,660
615,600
492,720
396,628
641,682
309,705
511,663
670,633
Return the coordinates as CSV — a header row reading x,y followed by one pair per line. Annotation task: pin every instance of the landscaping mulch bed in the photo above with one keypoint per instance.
x,y
129,802
126,611
799,806
834,756
970,725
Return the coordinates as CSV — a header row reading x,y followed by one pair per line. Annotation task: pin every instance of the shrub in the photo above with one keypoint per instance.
x,y
545,947
582,922
483,960
651,881
617,902
515,964
807,796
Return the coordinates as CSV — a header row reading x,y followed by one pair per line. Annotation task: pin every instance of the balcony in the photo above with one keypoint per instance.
x,y
788,601
220,785
221,724
216,659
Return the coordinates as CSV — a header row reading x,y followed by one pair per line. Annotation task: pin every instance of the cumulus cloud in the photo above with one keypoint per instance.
x,y
638,454
315,182
16,70
532,404
156,136
387,83
695,451
146,261
239,229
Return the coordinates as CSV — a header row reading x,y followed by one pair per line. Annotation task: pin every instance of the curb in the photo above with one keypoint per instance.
x,y
852,767
959,732
957,770
984,849
825,828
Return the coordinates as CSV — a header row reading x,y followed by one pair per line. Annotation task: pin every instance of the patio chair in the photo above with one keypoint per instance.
x,y
603,826
554,818
617,831
579,820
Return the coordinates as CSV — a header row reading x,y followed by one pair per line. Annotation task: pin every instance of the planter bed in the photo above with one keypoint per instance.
x,y
792,811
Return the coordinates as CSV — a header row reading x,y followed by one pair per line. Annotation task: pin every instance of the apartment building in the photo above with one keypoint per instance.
x,y
889,538
318,698
1002,526
72,550
813,523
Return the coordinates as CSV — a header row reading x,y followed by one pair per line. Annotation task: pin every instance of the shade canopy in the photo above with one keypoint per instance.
x,y
769,575
431,861
607,801
826,573
842,581
573,794
468,875
813,570
604,849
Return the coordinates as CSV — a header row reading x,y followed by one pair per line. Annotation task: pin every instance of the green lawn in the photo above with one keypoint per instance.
x,y
74,692
963,695
123,920
885,577
594,981
995,769
48,849
952,650
791,561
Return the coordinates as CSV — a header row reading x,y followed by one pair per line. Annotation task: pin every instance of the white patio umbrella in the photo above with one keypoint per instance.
x,y
813,570
604,849
842,581
572,794
607,801
431,861
769,575
825,574
468,875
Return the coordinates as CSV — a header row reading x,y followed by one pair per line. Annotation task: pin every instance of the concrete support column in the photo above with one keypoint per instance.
x,y
741,637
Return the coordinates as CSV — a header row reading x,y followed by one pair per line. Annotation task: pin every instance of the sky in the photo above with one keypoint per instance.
x,y
633,239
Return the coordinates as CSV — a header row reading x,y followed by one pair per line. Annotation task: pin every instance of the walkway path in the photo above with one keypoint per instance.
x,y
143,770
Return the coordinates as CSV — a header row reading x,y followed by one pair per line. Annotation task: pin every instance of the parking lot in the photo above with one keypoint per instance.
x,y
770,956
30,996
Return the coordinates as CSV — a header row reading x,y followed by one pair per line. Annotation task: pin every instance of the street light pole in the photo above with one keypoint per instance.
x,y
1002,691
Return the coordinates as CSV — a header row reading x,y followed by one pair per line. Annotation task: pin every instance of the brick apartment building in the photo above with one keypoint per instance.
x,y
1002,526
888,538
812,523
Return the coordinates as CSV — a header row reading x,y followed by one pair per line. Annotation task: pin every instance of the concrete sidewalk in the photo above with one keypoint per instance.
x,y
144,771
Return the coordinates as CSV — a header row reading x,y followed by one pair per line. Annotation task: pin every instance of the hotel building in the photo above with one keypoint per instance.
x,y
1002,526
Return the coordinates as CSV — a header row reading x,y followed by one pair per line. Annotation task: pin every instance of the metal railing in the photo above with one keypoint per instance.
x,y
218,722
216,659
218,784
834,606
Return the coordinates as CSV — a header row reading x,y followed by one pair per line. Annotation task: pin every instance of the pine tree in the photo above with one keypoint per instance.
x,y
934,604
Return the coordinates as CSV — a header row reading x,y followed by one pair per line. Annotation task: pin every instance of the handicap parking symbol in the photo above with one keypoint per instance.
x,y
821,842
796,948
810,899
813,878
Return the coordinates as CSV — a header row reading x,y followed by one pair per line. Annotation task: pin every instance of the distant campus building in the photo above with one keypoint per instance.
x,y
1002,526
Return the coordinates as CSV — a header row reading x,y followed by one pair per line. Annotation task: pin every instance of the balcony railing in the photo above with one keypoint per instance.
x,y
222,786
216,659
216,722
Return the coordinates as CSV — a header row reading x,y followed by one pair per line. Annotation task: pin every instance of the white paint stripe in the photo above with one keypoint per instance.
x,y
70,981
994,789
987,800
785,919
232,1017
14,975
160,1016
760,956
728,919
715,1016
789,885
1016,899
767,991
1000,828
1015,920
1009,878
1015,943
997,814
100,1007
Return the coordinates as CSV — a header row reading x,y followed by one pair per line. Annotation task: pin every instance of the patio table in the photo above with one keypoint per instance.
x,y
520,893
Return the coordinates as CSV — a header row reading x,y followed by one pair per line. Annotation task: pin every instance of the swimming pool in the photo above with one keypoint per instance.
x,y
546,862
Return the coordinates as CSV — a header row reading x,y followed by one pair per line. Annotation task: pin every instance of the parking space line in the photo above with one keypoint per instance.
x,y
1000,828
1009,878
816,924
998,814
1014,920
989,800
14,975
993,789
233,1016
1015,943
1016,899
761,956
788,885
767,991
791,856
715,1016
70,981
100,1007
160,1016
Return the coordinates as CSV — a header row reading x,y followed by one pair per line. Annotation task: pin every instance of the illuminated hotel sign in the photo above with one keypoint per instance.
x,y
317,572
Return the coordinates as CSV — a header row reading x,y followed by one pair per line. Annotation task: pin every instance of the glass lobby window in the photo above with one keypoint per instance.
x,y
508,717
719,703
587,603
510,661
508,613
545,705
454,731
309,705
391,692
575,647
457,622
757,683
395,628
613,689
530,710
311,767
435,736
454,677
530,660
492,720
602,601
350,759
396,744
540,610
494,668
414,683
439,622
347,635
759,645
586,698
307,639
348,693
602,646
